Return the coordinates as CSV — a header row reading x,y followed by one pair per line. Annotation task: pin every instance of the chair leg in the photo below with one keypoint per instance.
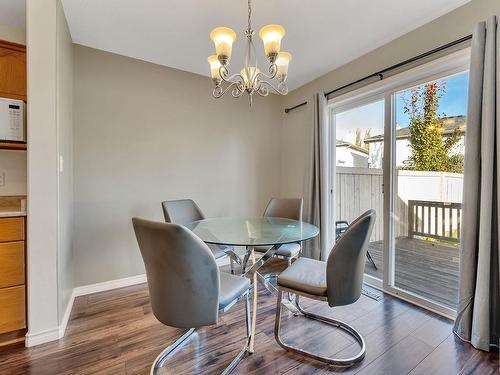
x,y
337,323
161,358
368,255
245,349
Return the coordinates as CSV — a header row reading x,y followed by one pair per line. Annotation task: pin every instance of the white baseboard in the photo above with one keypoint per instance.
x,y
33,339
109,285
56,333
67,314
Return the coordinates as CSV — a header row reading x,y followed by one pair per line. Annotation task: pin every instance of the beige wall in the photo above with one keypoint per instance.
x,y
64,108
296,124
12,34
13,163
145,133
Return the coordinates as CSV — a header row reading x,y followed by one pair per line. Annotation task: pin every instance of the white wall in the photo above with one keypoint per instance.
x,y
50,88
146,133
297,124
64,94
42,172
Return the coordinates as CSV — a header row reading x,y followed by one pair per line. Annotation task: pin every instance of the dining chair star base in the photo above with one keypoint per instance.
x,y
341,362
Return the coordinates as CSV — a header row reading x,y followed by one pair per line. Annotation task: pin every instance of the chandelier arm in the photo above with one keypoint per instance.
x,y
223,73
273,70
236,87
281,89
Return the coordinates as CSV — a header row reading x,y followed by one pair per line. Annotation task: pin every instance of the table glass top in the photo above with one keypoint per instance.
x,y
253,231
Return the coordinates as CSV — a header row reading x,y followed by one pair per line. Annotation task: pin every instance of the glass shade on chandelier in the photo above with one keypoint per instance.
x,y
271,36
250,79
223,38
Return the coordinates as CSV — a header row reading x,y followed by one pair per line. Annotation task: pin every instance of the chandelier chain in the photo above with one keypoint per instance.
x,y
249,14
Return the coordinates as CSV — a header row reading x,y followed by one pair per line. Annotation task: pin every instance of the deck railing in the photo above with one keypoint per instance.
x,y
439,220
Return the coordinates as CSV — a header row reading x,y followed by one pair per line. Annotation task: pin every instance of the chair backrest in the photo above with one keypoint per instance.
x,y
183,277
346,262
288,208
181,211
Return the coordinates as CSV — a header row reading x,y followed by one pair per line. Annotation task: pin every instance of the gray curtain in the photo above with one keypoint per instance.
x,y
316,191
478,311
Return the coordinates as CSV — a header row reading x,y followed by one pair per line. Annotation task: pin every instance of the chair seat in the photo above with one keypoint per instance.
x,y
231,287
217,250
288,250
305,275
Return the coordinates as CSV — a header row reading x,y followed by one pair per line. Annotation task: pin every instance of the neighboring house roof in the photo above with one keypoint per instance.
x,y
352,146
450,125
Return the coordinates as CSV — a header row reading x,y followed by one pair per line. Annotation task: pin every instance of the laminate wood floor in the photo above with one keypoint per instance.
x,y
115,332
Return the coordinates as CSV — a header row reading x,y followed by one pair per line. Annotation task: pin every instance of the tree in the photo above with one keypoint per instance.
x,y
431,149
358,141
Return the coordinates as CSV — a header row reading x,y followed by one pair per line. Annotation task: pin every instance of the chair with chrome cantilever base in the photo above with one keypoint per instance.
x,y
287,208
337,281
185,285
185,211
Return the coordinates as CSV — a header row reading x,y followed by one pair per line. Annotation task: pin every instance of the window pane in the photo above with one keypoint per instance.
x,y
430,121
359,175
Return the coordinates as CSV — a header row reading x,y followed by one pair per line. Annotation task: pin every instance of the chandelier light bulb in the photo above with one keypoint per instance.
x,y
249,79
214,68
282,61
223,38
271,35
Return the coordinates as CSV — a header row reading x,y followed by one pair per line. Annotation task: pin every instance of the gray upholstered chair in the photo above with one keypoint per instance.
x,y
185,285
185,211
337,281
288,208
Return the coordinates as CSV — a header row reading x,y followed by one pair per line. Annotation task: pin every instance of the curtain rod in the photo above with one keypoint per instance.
x,y
381,73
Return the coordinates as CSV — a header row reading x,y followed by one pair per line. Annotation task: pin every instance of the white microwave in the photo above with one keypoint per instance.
x,y
12,124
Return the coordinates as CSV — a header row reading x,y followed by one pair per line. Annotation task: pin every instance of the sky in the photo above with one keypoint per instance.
x,y
371,116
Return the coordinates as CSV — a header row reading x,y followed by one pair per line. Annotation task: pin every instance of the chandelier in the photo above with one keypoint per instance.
x,y
250,79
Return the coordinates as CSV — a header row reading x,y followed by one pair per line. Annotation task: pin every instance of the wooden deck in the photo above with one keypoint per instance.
x,y
429,269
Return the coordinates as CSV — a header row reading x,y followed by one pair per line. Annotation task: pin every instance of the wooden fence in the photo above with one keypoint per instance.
x,y
359,189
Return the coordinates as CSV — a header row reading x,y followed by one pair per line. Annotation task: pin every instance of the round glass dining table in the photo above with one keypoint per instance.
x,y
250,232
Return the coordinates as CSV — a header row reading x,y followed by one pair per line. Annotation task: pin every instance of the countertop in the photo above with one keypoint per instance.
x,y
12,206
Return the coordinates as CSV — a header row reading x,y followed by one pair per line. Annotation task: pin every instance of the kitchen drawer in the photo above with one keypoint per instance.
x,y
11,229
12,309
11,264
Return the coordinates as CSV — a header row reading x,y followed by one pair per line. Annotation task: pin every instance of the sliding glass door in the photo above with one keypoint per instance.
x,y
399,149
359,149
428,179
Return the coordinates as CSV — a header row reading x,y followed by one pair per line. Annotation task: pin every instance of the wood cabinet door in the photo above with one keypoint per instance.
x,y
12,71
12,309
11,229
11,264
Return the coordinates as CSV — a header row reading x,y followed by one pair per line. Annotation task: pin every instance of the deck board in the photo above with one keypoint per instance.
x,y
427,268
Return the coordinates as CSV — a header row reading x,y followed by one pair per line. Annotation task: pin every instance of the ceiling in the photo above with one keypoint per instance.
x,y
321,34
13,13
